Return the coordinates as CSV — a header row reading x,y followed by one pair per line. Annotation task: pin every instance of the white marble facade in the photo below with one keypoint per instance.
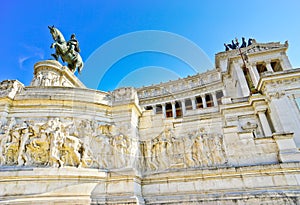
x,y
230,135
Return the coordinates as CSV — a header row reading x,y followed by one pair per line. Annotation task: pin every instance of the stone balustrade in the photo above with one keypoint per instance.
x,y
172,87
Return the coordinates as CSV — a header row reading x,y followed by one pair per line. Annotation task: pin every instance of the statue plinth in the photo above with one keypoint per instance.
x,y
52,73
48,185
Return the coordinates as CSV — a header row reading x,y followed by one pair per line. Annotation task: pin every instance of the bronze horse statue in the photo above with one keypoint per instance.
x,y
65,51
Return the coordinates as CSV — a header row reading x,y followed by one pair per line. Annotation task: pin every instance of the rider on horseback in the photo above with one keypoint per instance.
x,y
67,50
73,45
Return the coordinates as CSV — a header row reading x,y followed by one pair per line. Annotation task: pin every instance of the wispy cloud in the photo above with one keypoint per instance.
x,y
30,53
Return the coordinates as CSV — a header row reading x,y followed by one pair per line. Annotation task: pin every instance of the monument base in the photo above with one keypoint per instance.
x,y
66,185
52,73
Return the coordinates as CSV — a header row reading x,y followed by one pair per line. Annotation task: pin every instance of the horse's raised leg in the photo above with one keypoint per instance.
x,y
55,56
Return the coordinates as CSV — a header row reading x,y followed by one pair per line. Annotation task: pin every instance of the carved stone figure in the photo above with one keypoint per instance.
x,y
56,142
4,140
197,150
105,151
217,150
188,144
25,134
119,144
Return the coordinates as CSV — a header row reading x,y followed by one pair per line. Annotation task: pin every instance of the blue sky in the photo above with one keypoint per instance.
x,y
207,24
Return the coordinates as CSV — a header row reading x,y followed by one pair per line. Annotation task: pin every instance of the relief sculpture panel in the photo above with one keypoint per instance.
x,y
42,144
196,149
64,142
84,143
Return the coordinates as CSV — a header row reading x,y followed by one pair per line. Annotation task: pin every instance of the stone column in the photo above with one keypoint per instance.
x,y
193,99
242,80
215,99
203,101
285,63
154,109
173,109
260,110
264,123
163,105
254,75
183,107
268,65
224,93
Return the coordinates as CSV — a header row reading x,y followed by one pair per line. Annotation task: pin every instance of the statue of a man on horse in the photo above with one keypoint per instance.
x,y
68,51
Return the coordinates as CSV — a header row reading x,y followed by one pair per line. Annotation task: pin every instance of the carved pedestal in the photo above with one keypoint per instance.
x,y
52,73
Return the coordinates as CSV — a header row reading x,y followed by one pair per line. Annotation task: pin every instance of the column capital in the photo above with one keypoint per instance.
x,y
260,109
268,61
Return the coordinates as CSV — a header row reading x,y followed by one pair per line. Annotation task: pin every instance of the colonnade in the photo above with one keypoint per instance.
x,y
178,108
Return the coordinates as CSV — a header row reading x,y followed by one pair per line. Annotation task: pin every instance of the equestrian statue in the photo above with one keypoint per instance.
x,y
68,51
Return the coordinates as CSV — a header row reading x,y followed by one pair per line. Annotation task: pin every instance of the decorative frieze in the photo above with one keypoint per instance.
x,y
197,149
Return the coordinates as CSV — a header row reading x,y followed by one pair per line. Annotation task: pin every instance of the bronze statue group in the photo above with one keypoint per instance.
x,y
235,45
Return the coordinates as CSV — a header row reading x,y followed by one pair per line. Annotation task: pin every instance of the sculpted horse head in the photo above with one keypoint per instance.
x,y
61,49
56,34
